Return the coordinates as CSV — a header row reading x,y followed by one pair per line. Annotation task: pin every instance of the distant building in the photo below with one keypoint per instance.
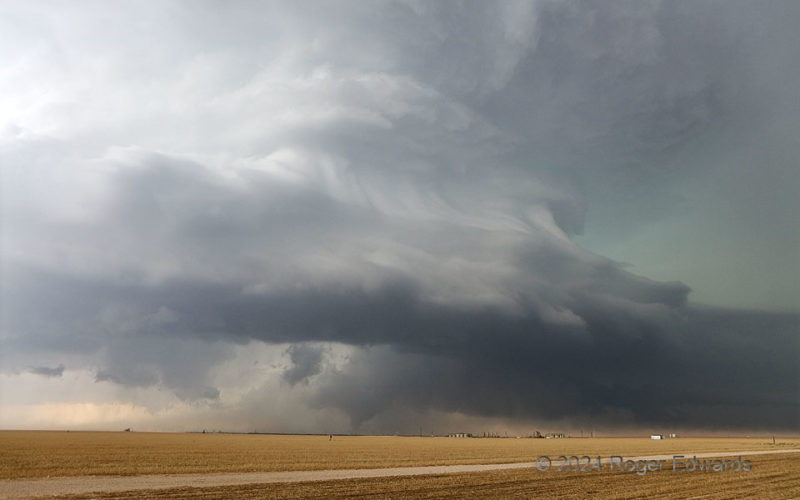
x,y
657,436
673,435
460,435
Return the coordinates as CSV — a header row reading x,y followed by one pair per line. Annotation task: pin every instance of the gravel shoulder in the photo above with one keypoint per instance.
x,y
26,488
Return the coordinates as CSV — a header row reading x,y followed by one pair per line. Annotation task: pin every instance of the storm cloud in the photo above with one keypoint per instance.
x,y
46,371
264,215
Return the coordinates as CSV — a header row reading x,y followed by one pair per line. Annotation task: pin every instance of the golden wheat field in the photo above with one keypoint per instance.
x,y
30,454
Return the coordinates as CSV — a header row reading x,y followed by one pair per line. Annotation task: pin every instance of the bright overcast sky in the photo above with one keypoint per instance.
x,y
378,217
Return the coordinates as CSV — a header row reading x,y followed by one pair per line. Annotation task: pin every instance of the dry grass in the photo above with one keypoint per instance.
x,y
46,454
772,476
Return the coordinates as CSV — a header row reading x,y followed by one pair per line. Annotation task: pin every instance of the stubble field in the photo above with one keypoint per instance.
x,y
47,454
70,454
774,477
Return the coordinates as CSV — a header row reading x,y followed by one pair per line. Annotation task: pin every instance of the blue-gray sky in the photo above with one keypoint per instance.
x,y
376,216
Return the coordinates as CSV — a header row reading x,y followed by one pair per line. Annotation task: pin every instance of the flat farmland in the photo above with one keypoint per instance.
x,y
773,476
34,454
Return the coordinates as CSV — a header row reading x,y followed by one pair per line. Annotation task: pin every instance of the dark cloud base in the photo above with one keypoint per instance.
x,y
688,367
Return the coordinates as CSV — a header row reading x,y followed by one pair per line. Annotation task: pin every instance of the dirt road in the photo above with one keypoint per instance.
x,y
23,488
